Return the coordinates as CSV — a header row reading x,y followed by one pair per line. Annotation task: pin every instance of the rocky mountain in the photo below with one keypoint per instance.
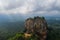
x,y
37,26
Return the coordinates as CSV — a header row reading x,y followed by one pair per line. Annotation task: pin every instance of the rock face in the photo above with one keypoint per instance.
x,y
29,23
38,26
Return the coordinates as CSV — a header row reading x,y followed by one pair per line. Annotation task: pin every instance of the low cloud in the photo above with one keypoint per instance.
x,y
42,7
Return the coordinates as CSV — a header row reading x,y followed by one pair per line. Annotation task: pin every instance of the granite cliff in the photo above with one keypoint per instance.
x,y
36,26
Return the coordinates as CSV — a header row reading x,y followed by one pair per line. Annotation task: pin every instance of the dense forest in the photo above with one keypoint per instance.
x,y
15,30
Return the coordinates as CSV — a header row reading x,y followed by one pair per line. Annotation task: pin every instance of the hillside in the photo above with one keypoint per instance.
x,y
35,29
11,29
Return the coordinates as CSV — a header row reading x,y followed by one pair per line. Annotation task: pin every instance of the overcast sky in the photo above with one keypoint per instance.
x,y
42,7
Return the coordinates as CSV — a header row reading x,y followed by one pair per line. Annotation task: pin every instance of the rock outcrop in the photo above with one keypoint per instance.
x,y
29,23
38,26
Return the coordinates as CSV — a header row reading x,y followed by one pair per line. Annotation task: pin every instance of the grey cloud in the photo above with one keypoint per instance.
x,y
11,4
32,6
38,4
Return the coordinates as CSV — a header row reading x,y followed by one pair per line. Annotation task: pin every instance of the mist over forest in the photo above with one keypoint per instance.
x,y
10,28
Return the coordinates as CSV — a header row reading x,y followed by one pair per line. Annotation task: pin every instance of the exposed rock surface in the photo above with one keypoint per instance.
x,y
38,26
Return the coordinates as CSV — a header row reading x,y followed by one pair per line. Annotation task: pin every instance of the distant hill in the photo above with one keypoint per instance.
x,y
11,17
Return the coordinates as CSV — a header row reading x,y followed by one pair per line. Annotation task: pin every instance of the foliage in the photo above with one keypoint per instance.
x,y
12,31
53,34
18,36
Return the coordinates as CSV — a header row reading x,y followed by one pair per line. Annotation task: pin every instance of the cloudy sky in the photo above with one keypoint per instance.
x,y
42,7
